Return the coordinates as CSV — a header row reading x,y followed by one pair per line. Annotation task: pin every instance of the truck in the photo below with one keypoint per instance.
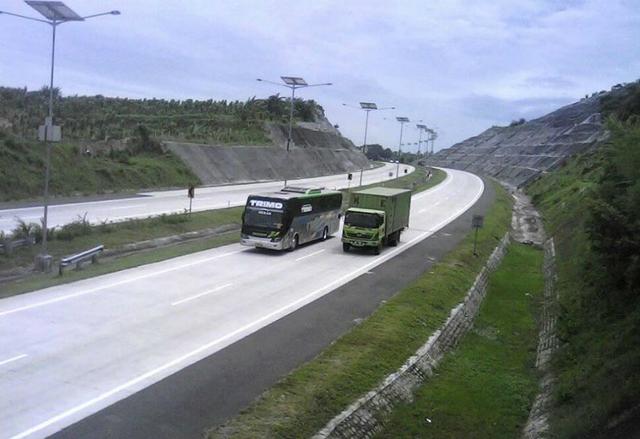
x,y
375,217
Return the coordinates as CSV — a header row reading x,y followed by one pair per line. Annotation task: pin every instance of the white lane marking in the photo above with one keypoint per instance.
x,y
128,207
422,210
309,255
114,284
188,299
279,312
9,360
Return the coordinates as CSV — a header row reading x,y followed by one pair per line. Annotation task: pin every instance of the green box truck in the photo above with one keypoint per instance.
x,y
375,217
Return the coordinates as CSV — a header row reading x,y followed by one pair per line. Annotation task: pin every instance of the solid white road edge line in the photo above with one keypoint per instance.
x,y
16,358
114,284
188,299
309,255
279,313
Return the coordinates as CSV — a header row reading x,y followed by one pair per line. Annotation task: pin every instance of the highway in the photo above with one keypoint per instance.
x,y
156,203
68,351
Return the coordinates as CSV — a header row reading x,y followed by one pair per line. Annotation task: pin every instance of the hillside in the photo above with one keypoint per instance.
x,y
519,153
100,118
201,142
74,172
585,160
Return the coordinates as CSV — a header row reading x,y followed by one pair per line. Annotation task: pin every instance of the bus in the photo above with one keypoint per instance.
x,y
292,216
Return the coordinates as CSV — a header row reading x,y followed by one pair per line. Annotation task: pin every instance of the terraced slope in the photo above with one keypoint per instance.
x,y
517,154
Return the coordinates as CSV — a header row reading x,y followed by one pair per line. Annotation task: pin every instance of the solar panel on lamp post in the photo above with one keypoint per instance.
x,y
55,14
402,121
367,107
293,83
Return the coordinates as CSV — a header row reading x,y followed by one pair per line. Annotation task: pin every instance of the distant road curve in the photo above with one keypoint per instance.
x,y
156,203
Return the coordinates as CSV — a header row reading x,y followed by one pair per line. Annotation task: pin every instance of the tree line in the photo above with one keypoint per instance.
x,y
102,118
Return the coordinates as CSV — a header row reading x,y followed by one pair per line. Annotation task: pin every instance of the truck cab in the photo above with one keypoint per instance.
x,y
376,217
363,228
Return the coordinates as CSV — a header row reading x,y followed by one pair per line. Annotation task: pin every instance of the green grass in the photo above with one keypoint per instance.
x,y
114,236
302,402
596,368
22,175
485,388
40,281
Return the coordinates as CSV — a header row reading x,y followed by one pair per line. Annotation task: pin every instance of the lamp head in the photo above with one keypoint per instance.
x,y
115,12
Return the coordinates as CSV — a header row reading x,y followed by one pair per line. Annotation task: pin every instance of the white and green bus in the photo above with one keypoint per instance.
x,y
290,217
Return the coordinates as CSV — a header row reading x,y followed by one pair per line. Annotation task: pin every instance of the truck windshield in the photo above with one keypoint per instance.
x,y
263,218
359,219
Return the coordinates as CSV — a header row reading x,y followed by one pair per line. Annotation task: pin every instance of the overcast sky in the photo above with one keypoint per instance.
x,y
459,66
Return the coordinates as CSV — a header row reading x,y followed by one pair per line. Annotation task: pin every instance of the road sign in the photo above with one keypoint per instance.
x,y
476,222
191,193
49,133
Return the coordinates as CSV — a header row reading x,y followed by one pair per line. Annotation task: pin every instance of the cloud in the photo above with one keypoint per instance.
x,y
457,65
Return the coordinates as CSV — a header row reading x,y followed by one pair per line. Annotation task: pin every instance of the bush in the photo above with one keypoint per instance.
x,y
80,227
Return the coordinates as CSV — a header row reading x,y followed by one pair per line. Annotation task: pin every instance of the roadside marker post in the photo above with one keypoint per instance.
x,y
476,222
191,193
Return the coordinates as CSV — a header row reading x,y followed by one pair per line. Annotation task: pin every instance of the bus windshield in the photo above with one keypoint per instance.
x,y
359,219
263,218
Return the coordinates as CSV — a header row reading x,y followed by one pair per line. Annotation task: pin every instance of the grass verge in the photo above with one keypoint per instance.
x,y
485,388
301,403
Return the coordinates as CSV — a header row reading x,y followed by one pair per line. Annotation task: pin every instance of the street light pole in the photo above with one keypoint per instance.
x,y
367,107
364,145
48,146
293,83
55,13
422,127
293,96
402,121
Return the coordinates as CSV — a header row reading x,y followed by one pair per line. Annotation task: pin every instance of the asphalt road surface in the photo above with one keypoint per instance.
x,y
72,350
155,203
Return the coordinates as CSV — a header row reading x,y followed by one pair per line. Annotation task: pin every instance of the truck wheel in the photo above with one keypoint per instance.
x,y
345,247
393,239
377,249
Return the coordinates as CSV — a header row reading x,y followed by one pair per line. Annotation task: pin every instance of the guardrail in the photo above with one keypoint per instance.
x,y
7,246
79,258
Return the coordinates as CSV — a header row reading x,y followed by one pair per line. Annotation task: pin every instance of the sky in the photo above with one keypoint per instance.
x,y
458,67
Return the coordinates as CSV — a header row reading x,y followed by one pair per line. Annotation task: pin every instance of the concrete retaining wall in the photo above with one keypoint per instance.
x,y
537,425
365,417
239,164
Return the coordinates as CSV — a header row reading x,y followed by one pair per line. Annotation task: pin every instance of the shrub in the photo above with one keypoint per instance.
x,y
80,227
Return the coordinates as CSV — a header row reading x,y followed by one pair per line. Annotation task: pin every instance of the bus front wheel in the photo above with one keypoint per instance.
x,y
294,243
325,233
